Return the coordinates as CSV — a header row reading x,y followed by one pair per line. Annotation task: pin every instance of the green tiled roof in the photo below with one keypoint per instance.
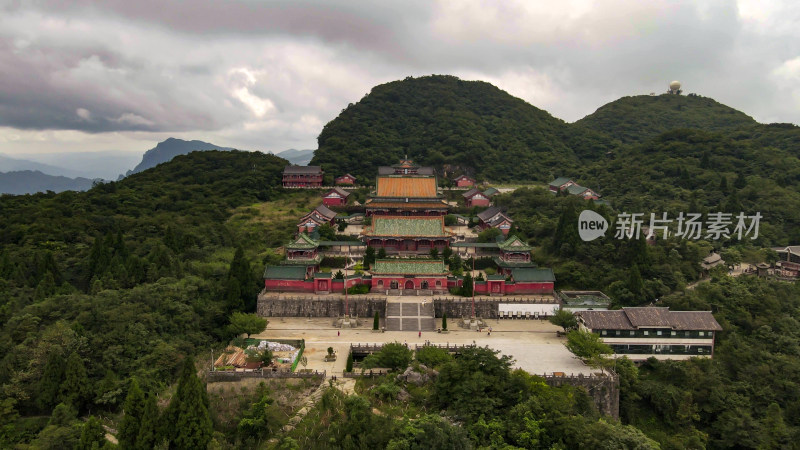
x,y
323,275
407,226
495,277
575,189
407,267
514,244
285,273
559,181
303,242
532,275
490,192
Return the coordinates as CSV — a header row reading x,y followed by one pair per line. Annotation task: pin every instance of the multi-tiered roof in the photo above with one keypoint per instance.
x,y
406,189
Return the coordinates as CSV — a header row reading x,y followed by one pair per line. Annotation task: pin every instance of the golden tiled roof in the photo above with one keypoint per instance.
x,y
404,205
412,187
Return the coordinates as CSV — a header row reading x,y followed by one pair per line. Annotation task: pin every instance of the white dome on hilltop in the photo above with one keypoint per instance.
x,y
675,85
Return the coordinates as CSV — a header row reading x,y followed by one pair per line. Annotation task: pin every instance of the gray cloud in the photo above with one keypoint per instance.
x,y
269,75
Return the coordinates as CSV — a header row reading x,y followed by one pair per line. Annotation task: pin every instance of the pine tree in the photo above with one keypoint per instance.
x,y
6,268
444,321
45,288
635,283
98,260
740,182
446,254
638,252
466,287
187,423
48,265
93,435
705,162
349,365
369,257
723,184
566,238
50,383
148,430
376,321
131,421
233,295
169,239
119,246
240,274
76,388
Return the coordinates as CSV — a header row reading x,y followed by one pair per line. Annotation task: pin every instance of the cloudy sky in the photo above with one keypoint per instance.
x,y
267,75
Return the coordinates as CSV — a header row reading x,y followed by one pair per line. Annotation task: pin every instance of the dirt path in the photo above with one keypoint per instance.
x,y
738,270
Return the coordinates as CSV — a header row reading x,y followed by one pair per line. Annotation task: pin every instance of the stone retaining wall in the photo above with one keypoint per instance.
x,y
604,390
319,306
221,376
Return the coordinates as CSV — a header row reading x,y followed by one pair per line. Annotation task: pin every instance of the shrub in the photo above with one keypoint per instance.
x,y
358,289
433,356
393,355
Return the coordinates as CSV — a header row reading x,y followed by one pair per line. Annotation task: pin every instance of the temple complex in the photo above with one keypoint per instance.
x,y
405,220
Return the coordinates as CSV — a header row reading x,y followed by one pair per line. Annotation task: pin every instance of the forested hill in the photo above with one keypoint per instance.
x,y
442,119
439,120
641,117
125,280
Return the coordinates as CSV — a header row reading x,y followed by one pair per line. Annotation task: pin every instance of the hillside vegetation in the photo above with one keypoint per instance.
x,y
127,280
131,279
641,117
440,120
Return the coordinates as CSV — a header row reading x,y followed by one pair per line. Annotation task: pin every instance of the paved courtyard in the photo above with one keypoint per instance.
x,y
532,343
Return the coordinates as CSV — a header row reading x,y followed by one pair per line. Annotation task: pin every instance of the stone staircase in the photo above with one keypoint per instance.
x,y
311,400
410,316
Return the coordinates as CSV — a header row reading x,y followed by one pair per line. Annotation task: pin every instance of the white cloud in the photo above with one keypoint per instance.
x,y
270,75
133,119
84,114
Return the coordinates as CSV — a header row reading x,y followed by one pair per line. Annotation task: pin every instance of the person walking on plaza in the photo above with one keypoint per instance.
x,y
420,334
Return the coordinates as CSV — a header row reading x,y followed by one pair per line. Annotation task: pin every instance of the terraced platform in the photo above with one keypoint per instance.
x,y
410,316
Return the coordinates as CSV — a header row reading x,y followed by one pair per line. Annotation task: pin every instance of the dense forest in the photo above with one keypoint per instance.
x,y
440,120
108,296
642,117
125,281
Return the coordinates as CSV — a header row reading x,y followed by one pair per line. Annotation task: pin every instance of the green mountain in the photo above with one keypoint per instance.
x,y
641,117
127,279
439,120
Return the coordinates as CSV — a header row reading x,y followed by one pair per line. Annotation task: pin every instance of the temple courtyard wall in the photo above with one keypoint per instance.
x,y
272,304
305,305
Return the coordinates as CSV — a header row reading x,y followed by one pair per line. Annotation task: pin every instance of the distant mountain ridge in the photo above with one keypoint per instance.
x,y
297,157
30,181
170,148
9,164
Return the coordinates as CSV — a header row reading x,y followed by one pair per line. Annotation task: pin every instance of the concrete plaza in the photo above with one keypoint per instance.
x,y
532,343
